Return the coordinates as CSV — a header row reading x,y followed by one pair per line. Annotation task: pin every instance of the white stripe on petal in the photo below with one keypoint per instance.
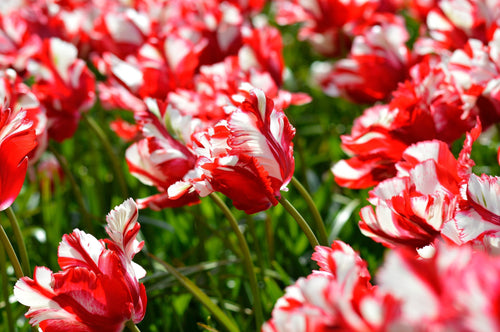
x,y
485,191
92,247
121,220
64,55
28,296
38,297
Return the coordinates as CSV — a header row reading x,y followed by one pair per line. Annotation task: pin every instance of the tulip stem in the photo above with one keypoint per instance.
x,y
117,167
5,289
320,225
4,239
200,295
21,245
247,259
132,327
300,220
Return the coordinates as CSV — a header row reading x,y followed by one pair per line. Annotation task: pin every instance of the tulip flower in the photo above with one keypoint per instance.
x,y
18,96
477,220
17,140
456,289
64,85
431,105
324,21
410,209
452,23
248,157
379,50
338,297
98,287
415,208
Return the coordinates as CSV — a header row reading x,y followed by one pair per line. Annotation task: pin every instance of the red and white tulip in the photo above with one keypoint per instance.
x,y
98,287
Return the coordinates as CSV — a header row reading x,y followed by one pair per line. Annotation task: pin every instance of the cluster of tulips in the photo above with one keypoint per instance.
x,y
207,87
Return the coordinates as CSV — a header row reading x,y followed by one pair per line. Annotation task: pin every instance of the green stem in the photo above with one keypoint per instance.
x,y
21,245
247,259
200,295
5,290
131,326
86,217
115,162
300,220
4,239
320,225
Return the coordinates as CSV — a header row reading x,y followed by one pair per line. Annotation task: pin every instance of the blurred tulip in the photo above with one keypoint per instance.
x,y
63,84
338,297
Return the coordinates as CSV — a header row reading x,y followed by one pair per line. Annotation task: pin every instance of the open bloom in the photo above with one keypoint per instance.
x,y
120,30
98,287
18,97
378,51
431,105
17,140
18,43
374,149
451,23
477,220
410,209
158,159
64,85
248,156
339,297
325,21
245,153
457,289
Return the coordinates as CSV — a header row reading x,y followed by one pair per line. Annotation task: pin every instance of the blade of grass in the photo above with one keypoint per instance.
x,y
115,162
200,295
342,217
186,271
86,216
269,237
256,245
5,290
221,235
247,259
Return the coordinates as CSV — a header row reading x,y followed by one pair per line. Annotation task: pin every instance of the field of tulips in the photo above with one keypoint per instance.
x,y
250,165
